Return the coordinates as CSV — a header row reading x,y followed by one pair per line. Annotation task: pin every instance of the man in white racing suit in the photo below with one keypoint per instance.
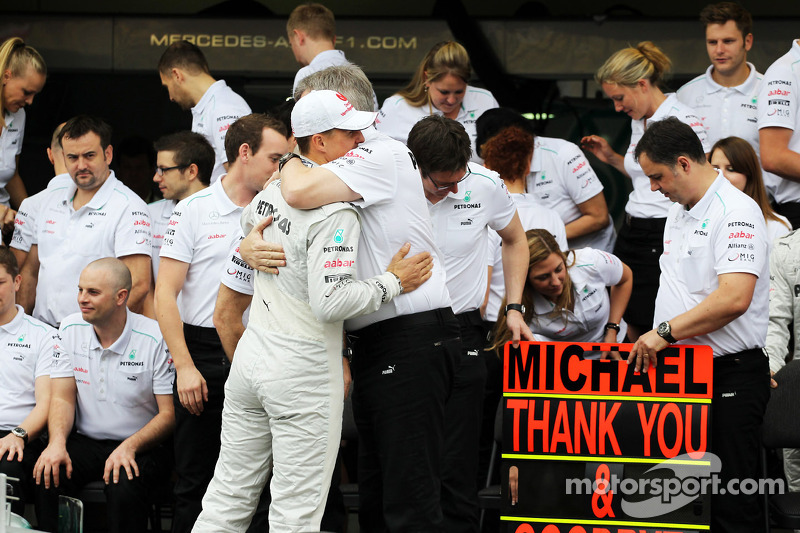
x,y
284,396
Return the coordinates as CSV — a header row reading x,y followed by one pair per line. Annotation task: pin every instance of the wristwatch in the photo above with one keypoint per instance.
x,y
285,159
21,433
515,307
664,331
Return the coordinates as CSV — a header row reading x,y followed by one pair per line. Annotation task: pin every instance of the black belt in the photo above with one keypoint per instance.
x,y
391,326
647,224
470,318
736,358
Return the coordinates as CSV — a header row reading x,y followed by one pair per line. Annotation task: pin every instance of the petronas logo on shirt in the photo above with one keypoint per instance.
x,y
467,196
21,338
132,355
704,224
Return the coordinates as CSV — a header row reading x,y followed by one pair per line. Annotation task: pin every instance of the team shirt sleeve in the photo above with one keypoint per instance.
x,y
333,290
24,226
46,348
777,99
179,236
238,275
608,267
503,206
163,369
741,243
369,170
62,361
127,242
581,181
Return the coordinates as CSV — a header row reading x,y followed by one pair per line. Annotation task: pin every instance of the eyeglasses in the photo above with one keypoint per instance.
x,y
161,171
448,185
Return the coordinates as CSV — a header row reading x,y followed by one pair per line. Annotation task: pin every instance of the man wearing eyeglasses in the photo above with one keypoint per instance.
x,y
464,199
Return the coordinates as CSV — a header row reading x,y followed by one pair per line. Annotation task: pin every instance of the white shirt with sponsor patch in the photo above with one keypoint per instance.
x,y
201,232
643,202
724,233
25,221
393,211
116,385
591,272
397,116
562,178
212,116
460,227
26,353
115,223
10,147
160,213
532,215
778,106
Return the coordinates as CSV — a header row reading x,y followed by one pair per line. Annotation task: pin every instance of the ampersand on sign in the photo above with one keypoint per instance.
x,y
602,491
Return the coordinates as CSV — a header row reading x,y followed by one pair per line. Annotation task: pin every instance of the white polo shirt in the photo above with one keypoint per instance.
x,y
25,221
778,107
397,116
69,240
160,213
562,178
26,354
212,116
723,233
201,232
116,385
642,202
393,211
10,147
460,223
532,214
591,272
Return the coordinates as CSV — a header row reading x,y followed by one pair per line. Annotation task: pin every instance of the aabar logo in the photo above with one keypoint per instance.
x,y
217,236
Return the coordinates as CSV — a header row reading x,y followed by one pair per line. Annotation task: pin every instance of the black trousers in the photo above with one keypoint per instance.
x,y
127,501
23,471
462,426
741,392
402,372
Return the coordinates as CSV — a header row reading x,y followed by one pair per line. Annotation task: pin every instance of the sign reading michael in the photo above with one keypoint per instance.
x,y
593,446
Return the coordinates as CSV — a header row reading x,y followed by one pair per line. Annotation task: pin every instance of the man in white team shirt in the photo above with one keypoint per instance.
x,y
713,291
184,72
26,357
284,396
464,200
111,381
312,35
779,130
95,216
206,224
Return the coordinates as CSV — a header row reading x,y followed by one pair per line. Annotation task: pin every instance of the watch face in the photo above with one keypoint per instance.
x,y
19,432
664,329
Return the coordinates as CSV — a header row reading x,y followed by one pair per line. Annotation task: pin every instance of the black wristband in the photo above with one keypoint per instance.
x,y
515,307
285,159
612,325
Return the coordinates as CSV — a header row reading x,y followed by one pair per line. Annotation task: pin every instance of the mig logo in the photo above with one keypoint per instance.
x,y
338,236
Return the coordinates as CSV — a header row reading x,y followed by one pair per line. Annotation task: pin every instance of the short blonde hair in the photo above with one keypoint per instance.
x,y
629,65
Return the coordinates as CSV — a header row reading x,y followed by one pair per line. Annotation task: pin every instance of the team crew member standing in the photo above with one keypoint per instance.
x,y
779,131
283,401
312,36
206,225
95,216
111,381
184,162
464,200
23,74
713,291
184,72
27,354
559,176
439,87
403,354
632,78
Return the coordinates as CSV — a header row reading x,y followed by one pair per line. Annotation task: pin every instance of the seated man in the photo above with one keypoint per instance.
x,y
284,397
27,351
112,382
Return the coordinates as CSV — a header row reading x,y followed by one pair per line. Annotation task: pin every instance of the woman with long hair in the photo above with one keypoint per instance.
x,y
738,162
23,74
439,87
633,79
565,295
